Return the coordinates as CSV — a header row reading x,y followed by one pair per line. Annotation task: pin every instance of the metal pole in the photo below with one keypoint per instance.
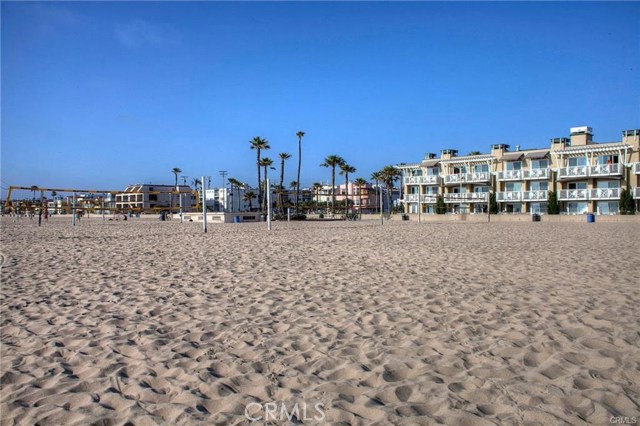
x,y
419,207
102,209
381,206
73,221
288,214
268,205
204,208
180,199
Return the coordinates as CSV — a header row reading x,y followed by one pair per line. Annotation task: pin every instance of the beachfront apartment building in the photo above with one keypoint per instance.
x,y
150,196
587,177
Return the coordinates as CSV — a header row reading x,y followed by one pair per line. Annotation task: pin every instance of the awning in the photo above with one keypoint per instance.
x,y
431,163
535,155
512,156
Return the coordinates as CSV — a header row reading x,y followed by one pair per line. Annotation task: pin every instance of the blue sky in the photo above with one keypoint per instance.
x,y
106,94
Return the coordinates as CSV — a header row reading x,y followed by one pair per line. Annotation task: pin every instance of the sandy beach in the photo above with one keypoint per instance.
x,y
146,322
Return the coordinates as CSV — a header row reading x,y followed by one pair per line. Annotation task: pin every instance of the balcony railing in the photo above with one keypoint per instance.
x,y
424,198
636,168
636,193
530,174
539,195
458,178
573,172
606,170
466,197
510,175
600,170
574,194
422,180
507,196
604,194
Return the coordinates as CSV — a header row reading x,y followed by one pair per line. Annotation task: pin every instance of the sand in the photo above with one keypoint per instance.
x,y
148,322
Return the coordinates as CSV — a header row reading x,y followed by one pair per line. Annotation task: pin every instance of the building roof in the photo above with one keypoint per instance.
x,y
603,148
512,156
431,162
534,155
469,159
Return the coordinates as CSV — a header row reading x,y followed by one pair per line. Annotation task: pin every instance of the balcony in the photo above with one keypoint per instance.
x,y
531,174
606,170
463,178
601,170
540,195
636,193
424,198
510,175
636,168
604,194
574,195
508,196
573,172
466,197
422,180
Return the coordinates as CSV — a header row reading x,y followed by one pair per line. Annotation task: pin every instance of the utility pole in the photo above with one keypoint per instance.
x,y
204,208
223,174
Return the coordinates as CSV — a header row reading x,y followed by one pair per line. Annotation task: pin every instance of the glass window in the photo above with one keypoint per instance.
x,y
577,207
608,159
539,186
577,185
478,168
607,207
540,164
433,171
481,189
513,186
577,161
514,165
602,184
539,208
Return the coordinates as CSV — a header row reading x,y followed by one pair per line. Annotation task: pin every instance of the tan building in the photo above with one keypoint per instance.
x,y
158,197
587,177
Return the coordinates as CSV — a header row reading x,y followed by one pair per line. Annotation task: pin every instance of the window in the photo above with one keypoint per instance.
x,y
479,168
608,159
540,164
577,207
513,187
433,171
538,208
606,184
539,186
514,165
153,197
577,161
577,185
607,207
481,189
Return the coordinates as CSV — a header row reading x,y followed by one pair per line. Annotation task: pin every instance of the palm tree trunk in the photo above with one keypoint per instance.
x,y
346,193
333,190
298,180
281,189
259,181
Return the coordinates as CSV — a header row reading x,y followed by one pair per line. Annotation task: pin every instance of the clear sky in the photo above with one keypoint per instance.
x,y
101,95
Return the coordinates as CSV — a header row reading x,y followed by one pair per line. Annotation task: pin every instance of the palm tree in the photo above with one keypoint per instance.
x,y
360,182
377,177
333,161
317,186
176,171
249,196
345,169
389,175
259,144
283,156
265,162
300,134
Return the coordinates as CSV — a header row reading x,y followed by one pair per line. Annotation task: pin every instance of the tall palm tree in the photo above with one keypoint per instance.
x,y
389,175
333,161
345,169
248,197
283,156
377,177
317,186
300,134
360,182
266,162
176,171
259,144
